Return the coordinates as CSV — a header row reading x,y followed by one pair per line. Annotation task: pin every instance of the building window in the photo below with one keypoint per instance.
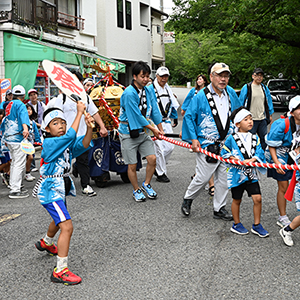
x,y
158,29
144,15
128,15
67,7
120,17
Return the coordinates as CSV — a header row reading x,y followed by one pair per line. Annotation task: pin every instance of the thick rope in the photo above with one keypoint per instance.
x,y
231,161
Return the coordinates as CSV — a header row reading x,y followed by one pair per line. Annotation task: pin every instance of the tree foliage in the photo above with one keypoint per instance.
x,y
244,34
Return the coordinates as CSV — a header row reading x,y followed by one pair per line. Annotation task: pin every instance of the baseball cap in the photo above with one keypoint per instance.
x,y
8,92
219,68
258,70
32,91
161,71
18,90
294,103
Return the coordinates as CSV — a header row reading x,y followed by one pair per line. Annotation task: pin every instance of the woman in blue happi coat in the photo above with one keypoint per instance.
x,y
201,82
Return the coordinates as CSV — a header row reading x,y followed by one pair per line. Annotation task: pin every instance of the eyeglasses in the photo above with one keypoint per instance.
x,y
258,75
225,76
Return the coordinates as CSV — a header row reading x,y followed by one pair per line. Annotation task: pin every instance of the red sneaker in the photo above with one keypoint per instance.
x,y
65,276
42,246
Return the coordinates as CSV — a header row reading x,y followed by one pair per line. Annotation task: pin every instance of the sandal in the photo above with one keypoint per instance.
x,y
211,190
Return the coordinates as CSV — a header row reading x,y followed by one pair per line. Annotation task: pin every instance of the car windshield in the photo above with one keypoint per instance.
x,y
283,85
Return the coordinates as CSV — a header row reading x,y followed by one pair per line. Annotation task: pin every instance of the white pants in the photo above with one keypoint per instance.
x,y
204,171
17,167
163,151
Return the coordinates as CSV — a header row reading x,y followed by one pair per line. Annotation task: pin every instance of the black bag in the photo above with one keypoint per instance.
x,y
214,148
134,133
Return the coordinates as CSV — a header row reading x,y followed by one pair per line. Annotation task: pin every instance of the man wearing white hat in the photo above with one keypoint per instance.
x,y
15,126
206,124
168,106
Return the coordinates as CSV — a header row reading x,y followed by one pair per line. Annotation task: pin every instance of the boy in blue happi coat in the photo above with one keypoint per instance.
x,y
55,184
244,146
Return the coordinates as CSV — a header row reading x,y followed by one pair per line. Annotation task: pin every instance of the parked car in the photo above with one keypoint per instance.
x,y
282,91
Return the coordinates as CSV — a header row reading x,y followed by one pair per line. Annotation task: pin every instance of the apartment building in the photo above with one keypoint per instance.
x,y
129,31
59,30
76,33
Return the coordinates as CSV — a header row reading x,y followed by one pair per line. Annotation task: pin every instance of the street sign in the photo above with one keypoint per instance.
x,y
169,37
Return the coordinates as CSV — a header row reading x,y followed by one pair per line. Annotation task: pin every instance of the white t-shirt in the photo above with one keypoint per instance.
x,y
70,111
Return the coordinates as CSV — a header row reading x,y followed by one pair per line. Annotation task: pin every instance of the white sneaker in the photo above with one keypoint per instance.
x,y
287,237
34,170
89,191
29,177
282,222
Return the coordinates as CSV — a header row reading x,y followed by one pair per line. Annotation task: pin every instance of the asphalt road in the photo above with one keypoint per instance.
x,y
128,250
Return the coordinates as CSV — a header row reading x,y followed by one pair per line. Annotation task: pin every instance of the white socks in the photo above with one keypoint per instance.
x,y
62,262
48,240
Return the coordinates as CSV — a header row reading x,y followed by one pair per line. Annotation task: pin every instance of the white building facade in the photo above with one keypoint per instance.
x,y
129,31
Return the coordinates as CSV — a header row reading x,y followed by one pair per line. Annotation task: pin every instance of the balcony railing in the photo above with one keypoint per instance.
x,y
40,13
70,21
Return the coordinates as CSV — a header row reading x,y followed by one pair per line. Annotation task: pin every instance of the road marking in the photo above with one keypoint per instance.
x,y
5,218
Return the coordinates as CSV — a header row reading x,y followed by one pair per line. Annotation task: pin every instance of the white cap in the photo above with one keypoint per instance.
x,y
161,71
294,102
32,91
219,68
18,90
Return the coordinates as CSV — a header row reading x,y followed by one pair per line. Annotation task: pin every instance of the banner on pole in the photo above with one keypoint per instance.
x,y
169,37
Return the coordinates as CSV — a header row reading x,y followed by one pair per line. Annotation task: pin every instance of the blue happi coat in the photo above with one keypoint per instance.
x,y
131,114
278,139
198,122
243,98
15,115
235,175
56,159
34,135
188,99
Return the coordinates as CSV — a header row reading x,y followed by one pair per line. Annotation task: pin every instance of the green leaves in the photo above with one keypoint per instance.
x,y
242,33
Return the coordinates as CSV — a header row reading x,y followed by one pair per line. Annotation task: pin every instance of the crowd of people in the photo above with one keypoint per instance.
x,y
215,119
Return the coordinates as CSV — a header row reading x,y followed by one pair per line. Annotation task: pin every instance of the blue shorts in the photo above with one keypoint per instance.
x,y
58,211
5,158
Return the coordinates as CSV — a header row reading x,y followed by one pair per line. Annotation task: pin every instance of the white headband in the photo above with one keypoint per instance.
x,y
56,113
87,80
242,114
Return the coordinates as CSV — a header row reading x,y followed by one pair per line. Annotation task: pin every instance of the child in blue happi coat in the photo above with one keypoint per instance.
x,y
33,137
244,146
55,184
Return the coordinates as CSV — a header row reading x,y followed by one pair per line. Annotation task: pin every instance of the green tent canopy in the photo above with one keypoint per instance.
x,y
23,55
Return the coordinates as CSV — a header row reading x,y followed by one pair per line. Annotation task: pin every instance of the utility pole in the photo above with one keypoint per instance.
x,y
161,5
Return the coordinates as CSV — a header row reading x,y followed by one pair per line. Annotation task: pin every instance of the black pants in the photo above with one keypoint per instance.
x,y
82,163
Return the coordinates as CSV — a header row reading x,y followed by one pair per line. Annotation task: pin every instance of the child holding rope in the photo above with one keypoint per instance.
x,y
286,232
244,146
279,141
